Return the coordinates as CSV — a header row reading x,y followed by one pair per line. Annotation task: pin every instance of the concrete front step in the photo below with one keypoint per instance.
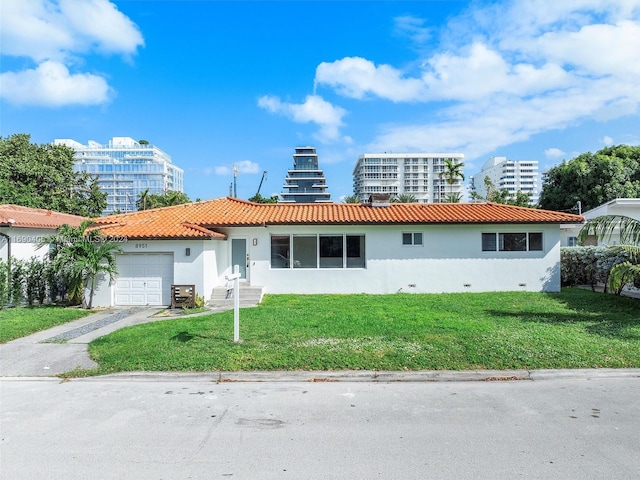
x,y
249,296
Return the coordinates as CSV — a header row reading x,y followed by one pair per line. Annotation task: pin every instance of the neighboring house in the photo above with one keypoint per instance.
x,y
416,174
375,248
125,169
511,175
23,228
629,207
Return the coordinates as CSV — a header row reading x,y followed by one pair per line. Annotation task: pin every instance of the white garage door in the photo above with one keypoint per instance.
x,y
144,279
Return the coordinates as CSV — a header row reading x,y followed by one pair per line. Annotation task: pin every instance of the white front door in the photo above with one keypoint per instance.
x,y
144,279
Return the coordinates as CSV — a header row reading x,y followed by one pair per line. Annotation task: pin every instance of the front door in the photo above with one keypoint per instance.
x,y
240,256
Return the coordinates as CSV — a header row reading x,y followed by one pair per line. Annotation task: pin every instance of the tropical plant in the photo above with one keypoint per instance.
x,y
351,199
81,255
35,280
147,200
257,198
452,173
404,198
603,227
495,195
4,283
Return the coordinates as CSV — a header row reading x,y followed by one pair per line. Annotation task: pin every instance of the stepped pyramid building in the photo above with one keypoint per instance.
x,y
305,183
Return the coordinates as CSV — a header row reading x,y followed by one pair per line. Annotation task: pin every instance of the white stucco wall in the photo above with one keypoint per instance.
x,y
198,268
24,242
450,260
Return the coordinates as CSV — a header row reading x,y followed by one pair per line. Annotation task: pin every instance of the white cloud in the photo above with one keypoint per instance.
x,y
44,29
554,153
313,110
412,27
54,34
607,140
51,85
550,65
357,77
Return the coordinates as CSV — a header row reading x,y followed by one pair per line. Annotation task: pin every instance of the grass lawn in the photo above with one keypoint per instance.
x,y
572,329
23,321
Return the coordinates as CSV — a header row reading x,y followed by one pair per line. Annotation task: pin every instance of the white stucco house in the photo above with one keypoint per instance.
x,y
375,248
628,207
23,228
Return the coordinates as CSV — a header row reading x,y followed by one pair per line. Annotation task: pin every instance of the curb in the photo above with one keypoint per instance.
x,y
372,376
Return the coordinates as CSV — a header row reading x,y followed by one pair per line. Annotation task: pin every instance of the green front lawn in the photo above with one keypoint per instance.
x,y
23,321
572,329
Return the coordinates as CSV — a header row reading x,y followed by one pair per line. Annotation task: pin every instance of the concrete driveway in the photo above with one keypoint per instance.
x,y
64,348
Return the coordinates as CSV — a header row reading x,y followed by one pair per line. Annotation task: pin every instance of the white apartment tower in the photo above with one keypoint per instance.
x,y
417,174
125,168
512,175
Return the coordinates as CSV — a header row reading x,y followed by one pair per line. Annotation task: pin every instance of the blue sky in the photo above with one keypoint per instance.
x,y
217,83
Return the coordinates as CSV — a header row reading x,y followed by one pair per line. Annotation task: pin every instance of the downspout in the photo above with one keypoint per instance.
x,y
8,260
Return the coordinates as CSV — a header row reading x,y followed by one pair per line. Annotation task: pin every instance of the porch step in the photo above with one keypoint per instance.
x,y
250,296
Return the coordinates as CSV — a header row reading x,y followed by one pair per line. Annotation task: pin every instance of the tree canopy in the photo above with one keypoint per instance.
x,y
147,200
257,198
42,176
593,179
495,195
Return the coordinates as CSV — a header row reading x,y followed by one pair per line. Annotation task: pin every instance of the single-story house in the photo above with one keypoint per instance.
x,y
377,247
23,228
628,207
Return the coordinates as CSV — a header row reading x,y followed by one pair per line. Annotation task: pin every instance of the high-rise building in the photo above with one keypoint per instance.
x,y
417,174
510,175
305,183
125,168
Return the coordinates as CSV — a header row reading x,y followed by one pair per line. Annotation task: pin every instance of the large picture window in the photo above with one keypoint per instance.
x,y
317,251
512,242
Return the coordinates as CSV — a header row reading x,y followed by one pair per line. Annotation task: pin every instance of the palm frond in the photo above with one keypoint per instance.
x,y
605,226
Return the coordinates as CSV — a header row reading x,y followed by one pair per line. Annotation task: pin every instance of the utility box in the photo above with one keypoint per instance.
x,y
183,296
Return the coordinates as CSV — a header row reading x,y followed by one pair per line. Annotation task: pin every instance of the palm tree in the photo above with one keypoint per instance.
x,y
452,173
141,203
603,227
80,255
404,198
351,199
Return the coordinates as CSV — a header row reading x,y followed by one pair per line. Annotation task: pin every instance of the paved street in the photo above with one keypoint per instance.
x,y
178,427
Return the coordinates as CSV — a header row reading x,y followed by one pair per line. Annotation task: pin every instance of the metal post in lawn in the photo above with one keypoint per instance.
x,y
236,302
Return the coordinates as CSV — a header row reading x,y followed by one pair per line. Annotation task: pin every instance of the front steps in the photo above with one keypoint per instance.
x,y
221,298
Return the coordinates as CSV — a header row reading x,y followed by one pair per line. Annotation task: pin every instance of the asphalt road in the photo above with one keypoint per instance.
x,y
192,428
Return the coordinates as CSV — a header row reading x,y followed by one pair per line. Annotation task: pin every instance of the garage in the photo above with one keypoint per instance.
x,y
144,279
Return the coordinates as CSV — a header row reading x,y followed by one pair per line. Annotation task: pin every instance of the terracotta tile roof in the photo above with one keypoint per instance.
x,y
18,216
204,219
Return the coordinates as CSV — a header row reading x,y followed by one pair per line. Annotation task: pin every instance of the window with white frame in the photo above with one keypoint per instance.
x,y
512,242
412,238
317,251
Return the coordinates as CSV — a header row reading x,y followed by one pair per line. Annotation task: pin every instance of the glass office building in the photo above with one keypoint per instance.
x,y
125,168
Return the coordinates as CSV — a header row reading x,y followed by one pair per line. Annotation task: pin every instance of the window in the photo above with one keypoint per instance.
x,y
414,238
488,242
305,251
572,241
280,251
331,255
317,251
512,242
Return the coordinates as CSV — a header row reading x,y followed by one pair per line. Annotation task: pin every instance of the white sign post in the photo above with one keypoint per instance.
x,y
236,302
